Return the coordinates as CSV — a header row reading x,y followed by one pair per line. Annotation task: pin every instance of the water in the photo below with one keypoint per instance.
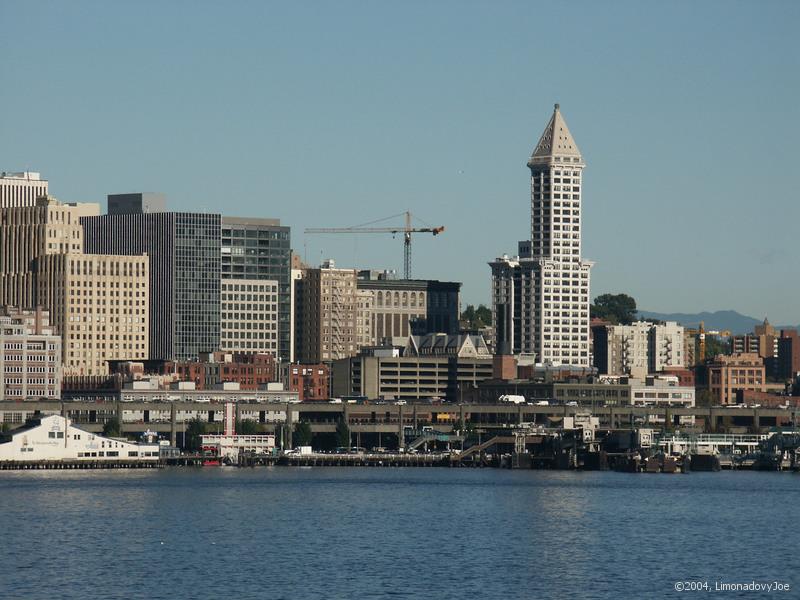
x,y
392,533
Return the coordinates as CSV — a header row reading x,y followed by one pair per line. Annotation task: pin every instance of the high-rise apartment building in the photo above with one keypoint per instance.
x,y
763,341
184,251
639,348
30,232
666,347
540,299
99,303
326,314
260,250
21,189
30,355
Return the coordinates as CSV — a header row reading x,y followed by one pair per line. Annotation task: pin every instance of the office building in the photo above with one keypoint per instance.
x,y
403,307
259,249
540,298
21,189
30,232
295,283
30,355
446,367
99,304
184,251
140,202
249,315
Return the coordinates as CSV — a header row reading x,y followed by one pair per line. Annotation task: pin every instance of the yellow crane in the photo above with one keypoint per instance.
x,y
700,335
405,229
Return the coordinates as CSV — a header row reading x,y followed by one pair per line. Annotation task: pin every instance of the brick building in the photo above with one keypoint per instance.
x,y
311,382
728,374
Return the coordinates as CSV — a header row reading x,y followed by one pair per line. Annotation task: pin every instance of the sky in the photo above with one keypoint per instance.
x,y
333,114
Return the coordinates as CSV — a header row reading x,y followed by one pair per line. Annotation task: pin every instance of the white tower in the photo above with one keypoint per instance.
x,y
540,298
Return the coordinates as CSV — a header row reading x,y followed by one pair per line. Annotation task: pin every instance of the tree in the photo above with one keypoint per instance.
x,y
247,427
111,428
191,439
476,318
302,434
715,346
618,309
342,434
703,399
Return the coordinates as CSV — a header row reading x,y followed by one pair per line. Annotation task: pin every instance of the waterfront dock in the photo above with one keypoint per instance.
x,y
69,465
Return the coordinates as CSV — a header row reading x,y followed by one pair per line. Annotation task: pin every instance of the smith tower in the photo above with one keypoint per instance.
x,y
540,298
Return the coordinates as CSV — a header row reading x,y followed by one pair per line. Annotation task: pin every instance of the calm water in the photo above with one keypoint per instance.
x,y
392,533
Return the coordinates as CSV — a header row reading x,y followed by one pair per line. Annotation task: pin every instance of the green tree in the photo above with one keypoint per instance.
x,y
619,309
302,434
342,434
247,427
476,318
703,398
111,428
194,430
716,345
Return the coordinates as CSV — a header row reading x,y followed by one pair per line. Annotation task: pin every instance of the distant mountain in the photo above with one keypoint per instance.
x,y
736,322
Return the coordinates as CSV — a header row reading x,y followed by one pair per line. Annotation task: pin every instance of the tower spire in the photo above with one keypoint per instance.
x,y
556,143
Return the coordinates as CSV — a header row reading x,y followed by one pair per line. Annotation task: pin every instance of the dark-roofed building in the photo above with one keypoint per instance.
x,y
435,366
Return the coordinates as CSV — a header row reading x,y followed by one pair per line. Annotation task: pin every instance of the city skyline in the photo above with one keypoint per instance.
x,y
344,122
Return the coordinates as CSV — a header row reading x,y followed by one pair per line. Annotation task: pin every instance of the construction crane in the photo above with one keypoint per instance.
x,y
406,230
699,334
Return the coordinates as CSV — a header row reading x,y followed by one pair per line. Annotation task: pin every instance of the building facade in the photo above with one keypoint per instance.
x,y
184,251
763,341
99,303
438,366
540,299
249,315
30,355
55,438
260,249
399,308
639,348
788,354
326,317
21,189
728,374
311,382
29,232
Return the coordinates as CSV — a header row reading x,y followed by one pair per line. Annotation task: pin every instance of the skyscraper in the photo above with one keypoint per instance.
x,y
540,298
258,251
21,189
184,251
30,232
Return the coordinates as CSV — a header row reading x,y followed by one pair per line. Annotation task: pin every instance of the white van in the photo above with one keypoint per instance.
x,y
512,399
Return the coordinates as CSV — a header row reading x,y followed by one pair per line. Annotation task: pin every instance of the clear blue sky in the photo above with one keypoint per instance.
x,y
337,113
